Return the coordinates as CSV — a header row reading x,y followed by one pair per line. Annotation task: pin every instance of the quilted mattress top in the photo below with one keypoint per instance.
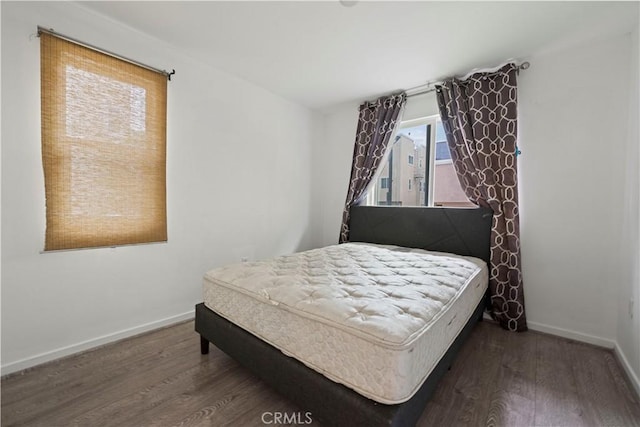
x,y
358,287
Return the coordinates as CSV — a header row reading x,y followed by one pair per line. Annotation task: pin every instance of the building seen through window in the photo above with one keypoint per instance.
x,y
418,170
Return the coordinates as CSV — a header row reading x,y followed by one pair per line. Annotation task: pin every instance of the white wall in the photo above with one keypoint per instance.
x,y
331,169
628,333
576,198
573,132
238,185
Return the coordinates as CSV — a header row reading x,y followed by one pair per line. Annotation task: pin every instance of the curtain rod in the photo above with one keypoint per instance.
x,y
429,87
104,51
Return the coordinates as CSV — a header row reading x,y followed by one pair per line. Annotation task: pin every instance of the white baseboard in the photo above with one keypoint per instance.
x,y
635,381
89,344
567,333
592,339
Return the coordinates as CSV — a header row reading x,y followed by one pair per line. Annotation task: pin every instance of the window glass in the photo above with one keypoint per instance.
x,y
429,181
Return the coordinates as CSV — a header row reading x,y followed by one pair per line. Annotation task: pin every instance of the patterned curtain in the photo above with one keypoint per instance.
x,y
479,116
376,124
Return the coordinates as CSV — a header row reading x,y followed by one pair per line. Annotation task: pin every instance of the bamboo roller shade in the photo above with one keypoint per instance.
x,y
103,148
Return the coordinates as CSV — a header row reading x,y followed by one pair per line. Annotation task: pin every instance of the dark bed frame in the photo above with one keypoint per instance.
x,y
463,231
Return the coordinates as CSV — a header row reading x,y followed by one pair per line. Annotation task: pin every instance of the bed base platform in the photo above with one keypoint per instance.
x,y
328,402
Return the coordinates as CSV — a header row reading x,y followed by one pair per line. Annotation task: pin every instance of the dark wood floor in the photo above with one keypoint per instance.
x,y
160,379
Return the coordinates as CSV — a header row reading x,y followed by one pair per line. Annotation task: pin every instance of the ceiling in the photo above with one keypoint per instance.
x,y
319,54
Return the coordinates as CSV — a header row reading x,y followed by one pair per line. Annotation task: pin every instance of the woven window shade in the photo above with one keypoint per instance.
x,y
103,148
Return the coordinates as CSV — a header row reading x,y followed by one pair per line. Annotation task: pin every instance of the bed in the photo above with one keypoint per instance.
x,y
386,371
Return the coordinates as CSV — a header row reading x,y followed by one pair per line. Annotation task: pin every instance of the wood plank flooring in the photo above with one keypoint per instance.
x,y
160,379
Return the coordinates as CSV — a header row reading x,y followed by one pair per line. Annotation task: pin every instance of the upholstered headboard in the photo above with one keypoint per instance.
x,y
463,231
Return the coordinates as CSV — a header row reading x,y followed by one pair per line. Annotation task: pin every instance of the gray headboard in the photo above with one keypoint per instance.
x,y
463,231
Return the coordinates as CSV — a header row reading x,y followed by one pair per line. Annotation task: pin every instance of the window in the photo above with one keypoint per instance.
x,y
423,140
442,148
442,151
103,148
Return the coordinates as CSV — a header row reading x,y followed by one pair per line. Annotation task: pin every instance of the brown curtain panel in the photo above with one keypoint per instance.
x,y
377,121
479,115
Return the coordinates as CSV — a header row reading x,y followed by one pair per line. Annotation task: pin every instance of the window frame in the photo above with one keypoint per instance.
x,y
428,182
429,159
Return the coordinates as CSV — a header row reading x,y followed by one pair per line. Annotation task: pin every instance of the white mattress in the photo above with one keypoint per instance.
x,y
374,318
